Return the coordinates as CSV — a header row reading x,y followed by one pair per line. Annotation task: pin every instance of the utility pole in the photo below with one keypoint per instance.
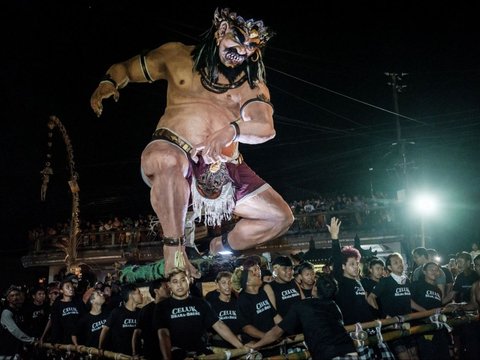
x,y
394,82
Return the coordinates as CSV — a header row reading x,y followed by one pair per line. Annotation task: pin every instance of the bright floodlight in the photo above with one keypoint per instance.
x,y
425,204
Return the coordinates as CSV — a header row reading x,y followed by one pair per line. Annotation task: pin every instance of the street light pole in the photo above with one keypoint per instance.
x,y
424,205
422,229
370,170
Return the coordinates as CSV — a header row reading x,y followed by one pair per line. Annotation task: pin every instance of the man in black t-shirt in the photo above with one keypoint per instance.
x,y
351,297
145,330
225,306
122,321
321,321
427,294
467,289
183,320
64,314
256,314
305,279
89,326
464,280
36,312
376,268
283,290
395,296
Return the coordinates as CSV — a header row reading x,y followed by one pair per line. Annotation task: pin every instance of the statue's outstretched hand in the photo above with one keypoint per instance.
x,y
104,90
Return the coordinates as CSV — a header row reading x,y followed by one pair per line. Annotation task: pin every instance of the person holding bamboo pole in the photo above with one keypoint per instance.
x,y
394,294
283,291
122,321
144,333
64,315
321,321
426,293
225,306
89,326
351,297
256,314
467,336
474,303
182,321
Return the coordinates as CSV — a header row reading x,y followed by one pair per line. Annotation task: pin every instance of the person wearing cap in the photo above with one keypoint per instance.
x,y
256,314
283,290
144,332
267,276
12,337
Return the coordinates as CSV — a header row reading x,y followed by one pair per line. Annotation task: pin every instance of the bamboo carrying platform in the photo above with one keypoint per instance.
x,y
401,329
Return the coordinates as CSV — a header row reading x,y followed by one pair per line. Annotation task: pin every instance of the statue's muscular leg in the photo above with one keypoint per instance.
x,y
166,167
264,217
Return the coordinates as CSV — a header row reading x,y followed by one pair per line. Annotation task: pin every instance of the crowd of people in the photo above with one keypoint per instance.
x,y
217,99
253,306
98,232
310,215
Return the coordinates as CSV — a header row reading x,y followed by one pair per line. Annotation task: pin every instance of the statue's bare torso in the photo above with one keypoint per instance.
x,y
192,111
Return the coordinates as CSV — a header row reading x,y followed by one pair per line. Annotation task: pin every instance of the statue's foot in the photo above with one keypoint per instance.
x,y
215,246
174,259
220,245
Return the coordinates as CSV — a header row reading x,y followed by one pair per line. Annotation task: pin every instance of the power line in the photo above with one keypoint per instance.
x,y
346,96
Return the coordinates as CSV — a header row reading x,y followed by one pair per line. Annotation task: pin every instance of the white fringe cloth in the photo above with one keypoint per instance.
x,y
214,210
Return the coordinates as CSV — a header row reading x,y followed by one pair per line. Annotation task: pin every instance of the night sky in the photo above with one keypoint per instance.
x,y
325,71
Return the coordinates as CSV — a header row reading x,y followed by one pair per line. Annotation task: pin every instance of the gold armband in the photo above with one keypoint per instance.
x,y
107,78
236,128
145,72
260,98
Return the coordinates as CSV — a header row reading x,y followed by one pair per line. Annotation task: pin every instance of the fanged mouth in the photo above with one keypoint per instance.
x,y
234,57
